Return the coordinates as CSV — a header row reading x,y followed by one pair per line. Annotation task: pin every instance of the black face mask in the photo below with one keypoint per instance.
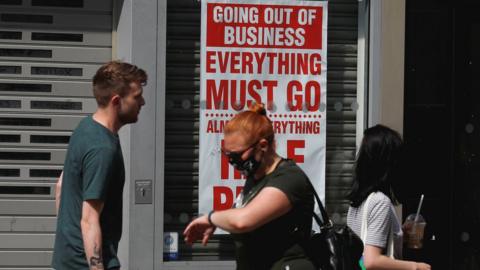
x,y
246,167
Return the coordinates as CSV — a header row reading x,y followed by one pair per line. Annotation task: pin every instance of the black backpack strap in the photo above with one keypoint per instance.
x,y
323,221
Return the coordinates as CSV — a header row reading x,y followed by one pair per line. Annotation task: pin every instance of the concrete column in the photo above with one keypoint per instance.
x,y
386,63
139,40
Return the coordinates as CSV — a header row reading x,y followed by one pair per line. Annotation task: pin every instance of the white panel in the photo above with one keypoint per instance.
x,y
25,258
80,37
58,122
55,156
54,53
55,71
24,224
27,207
51,20
88,5
22,268
45,88
27,172
30,138
48,187
51,105
13,240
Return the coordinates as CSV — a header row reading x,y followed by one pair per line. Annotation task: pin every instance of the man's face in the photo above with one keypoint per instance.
x,y
130,104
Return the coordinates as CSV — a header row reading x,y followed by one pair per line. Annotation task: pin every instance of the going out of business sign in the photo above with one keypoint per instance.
x,y
273,52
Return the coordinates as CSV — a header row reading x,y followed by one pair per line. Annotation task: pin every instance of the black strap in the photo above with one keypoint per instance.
x,y
323,221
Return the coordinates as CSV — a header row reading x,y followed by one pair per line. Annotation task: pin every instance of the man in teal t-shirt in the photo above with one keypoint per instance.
x,y
90,189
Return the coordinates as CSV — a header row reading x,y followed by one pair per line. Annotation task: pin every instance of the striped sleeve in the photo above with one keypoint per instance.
x,y
379,221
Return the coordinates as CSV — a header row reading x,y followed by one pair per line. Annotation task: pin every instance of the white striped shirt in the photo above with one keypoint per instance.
x,y
381,219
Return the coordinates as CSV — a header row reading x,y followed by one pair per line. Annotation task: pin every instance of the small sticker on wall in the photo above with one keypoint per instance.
x,y
170,246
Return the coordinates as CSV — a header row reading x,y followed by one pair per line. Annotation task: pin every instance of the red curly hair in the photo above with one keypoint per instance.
x,y
252,123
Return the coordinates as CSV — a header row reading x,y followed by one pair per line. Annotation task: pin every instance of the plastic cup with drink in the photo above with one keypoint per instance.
x,y
414,228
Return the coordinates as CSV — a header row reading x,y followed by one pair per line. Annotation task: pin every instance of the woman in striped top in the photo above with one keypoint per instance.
x,y
371,214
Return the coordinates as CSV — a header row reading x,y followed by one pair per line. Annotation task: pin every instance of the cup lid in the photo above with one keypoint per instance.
x,y
420,219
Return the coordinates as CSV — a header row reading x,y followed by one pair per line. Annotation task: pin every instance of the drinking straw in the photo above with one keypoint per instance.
x,y
417,215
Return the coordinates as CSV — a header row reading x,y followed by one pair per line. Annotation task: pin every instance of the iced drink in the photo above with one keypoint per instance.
x,y
414,231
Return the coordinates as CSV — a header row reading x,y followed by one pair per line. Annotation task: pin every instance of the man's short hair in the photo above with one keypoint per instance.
x,y
115,77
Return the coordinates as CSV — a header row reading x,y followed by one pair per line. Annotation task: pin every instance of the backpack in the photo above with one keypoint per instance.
x,y
335,247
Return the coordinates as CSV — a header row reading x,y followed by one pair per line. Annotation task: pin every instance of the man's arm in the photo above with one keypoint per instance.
x,y
58,191
92,233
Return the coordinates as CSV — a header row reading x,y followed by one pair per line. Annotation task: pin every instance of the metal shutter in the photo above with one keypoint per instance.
x,y
182,116
49,51
341,104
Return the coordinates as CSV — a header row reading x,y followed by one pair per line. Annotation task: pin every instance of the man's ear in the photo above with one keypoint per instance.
x,y
115,100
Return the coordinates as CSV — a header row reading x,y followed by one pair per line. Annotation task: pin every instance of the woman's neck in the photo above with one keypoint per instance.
x,y
270,164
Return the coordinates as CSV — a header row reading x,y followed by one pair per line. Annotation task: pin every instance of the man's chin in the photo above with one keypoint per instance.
x,y
133,121
129,121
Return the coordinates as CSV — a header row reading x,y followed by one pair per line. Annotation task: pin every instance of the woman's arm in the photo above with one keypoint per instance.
x,y
375,260
268,205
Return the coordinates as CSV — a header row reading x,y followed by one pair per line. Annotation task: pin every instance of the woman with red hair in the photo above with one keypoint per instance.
x,y
272,217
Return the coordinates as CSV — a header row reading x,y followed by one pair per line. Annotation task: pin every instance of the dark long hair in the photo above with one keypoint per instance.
x,y
378,163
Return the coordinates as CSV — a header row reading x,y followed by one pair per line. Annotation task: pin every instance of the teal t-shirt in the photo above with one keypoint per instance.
x,y
93,170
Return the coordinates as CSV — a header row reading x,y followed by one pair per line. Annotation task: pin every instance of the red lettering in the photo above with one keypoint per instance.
x,y
276,127
223,62
238,103
238,190
315,64
259,58
234,93
271,64
312,107
225,168
222,125
222,198
291,146
235,62
217,96
270,85
210,62
247,63
316,127
282,63
302,64
210,128
297,86
254,85
224,165
237,175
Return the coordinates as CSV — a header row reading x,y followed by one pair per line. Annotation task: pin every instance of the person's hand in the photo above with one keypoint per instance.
x,y
422,266
406,225
198,229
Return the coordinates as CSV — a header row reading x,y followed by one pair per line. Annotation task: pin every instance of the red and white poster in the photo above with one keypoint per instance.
x,y
273,52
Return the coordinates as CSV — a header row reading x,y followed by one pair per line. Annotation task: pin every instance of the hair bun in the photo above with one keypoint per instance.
x,y
258,108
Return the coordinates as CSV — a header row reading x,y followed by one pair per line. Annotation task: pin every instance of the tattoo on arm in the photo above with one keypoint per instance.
x,y
96,261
